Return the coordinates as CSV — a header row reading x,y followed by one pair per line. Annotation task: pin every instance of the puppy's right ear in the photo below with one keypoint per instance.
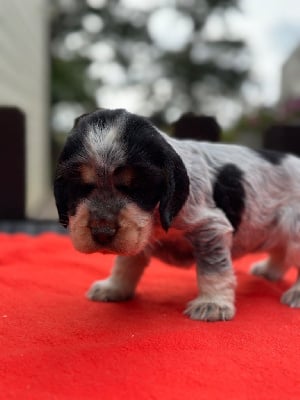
x,y
61,199
61,185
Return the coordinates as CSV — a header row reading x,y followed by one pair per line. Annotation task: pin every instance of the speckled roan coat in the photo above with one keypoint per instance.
x,y
124,187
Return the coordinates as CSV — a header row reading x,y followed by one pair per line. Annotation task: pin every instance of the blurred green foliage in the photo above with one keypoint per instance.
x,y
200,68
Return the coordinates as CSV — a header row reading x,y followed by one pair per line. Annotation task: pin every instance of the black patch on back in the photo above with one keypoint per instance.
x,y
229,193
272,156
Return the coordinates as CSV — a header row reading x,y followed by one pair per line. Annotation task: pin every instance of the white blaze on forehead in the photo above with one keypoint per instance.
x,y
104,145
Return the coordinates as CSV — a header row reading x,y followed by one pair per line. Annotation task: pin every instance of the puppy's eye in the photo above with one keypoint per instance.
x,y
77,191
83,189
124,178
141,183
87,187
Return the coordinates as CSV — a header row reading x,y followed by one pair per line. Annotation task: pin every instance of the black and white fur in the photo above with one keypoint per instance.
x,y
124,187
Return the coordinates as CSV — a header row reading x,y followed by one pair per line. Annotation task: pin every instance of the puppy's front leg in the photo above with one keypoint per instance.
x,y
215,276
123,280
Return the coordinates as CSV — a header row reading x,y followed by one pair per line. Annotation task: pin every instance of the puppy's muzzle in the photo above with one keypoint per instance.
x,y
103,232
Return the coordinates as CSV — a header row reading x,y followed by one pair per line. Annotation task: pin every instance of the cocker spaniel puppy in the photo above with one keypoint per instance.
x,y
124,187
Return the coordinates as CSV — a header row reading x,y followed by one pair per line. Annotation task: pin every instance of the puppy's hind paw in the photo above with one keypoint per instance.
x,y
266,270
291,298
106,290
203,310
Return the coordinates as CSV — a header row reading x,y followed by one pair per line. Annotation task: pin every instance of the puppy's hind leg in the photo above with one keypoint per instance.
x,y
123,280
290,223
292,296
273,268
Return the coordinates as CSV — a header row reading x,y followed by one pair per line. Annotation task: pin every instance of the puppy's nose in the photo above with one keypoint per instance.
x,y
103,233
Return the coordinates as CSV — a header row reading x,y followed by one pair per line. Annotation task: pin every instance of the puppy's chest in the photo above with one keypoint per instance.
x,y
173,248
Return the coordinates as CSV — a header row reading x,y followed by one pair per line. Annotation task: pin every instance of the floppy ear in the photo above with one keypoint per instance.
x,y
60,194
176,190
64,167
145,145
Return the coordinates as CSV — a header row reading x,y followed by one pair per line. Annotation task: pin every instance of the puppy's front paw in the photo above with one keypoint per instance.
x,y
106,290
291,298
210,310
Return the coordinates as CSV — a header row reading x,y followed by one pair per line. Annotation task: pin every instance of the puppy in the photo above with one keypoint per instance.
x,y
124,187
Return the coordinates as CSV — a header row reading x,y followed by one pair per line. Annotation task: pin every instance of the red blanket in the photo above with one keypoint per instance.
x,y
55,344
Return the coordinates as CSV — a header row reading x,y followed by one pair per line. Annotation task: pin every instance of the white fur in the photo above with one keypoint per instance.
x,y
103,146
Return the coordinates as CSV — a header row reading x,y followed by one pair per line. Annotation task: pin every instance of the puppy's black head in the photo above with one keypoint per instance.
x,y
115,157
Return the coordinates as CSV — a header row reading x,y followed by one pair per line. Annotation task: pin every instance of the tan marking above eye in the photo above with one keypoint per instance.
x,y
123,176
88,174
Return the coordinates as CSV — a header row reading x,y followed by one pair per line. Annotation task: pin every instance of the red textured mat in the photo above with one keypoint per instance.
x,y
55,344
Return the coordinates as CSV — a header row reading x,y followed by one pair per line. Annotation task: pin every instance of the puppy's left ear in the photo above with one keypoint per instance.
x,y
176,189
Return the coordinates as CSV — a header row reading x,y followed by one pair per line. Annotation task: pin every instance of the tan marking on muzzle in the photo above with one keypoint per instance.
x,y
134,230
